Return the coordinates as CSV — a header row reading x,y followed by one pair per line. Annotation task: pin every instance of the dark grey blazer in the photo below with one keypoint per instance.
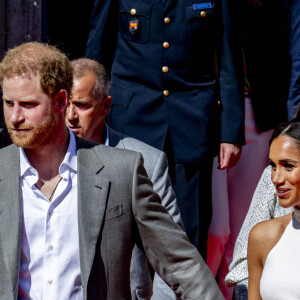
x,y
116,209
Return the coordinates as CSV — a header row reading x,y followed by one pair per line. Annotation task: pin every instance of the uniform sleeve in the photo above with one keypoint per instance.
x,y
294,92
166,246
231,76
102,38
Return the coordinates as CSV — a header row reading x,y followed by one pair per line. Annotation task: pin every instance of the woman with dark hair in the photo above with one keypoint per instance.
x,y
274,245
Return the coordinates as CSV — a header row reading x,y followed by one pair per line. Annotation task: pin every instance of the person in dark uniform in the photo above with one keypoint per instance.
x,y
294,92
176,84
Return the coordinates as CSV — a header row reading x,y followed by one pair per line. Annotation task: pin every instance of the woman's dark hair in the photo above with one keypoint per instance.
x,y
290,129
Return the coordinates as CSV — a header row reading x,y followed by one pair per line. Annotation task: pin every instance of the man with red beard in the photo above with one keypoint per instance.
x,y
72,210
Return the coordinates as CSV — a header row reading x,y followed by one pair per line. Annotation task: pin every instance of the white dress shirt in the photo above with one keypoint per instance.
x,y
107,136
50,263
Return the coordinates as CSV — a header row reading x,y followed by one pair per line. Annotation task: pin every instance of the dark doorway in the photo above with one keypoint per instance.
x,y
67,25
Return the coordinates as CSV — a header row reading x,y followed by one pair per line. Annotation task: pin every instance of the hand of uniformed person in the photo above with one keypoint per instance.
x,y
229,155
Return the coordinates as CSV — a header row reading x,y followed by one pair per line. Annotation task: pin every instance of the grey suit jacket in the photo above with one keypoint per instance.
x,y
156,166
116,209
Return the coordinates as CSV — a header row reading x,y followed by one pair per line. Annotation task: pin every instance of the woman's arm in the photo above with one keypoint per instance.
x,y
263,237
255,265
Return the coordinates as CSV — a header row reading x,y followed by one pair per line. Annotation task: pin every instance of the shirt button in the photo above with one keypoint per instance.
x,y
167,20
50,281
166,93
51,248
166,45
133,11
50,213
203,13
165,69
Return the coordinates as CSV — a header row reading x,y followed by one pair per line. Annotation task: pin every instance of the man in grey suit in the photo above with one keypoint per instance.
x,y
72,210
87,108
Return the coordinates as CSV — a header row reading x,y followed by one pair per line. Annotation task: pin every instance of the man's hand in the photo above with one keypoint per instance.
x,y
229,155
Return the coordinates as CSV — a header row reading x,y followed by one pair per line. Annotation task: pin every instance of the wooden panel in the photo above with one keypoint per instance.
x,y
2,28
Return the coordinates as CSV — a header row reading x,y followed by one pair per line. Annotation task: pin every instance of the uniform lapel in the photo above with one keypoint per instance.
x,y
169,4
93,189
10,213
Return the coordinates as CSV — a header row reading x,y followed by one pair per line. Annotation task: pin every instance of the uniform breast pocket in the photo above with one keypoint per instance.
x,y
121,99
134,20
201,16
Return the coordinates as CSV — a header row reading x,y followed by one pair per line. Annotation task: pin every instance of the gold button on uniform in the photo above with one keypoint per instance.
x,y
165,69
166,45
203,13
219,102
166,93
133,11
167,20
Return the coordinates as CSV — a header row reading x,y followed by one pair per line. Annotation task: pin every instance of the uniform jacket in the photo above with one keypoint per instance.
x,y
116,209
164,77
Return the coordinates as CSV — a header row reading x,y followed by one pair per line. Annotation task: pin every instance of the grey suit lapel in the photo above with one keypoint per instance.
x,y
10,212
93,191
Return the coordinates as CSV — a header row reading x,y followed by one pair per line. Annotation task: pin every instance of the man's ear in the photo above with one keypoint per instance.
x,y
60,101
106,103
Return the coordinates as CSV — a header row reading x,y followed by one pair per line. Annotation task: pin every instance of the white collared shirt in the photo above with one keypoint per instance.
x,y
50,263
107,136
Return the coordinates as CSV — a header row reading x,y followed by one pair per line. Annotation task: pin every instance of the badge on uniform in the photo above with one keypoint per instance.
x,y
134,26
202,6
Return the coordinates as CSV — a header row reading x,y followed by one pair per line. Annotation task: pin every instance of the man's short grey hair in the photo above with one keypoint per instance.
x,y
82,66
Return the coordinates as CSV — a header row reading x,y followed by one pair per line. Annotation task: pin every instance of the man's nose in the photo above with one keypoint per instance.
x,y
71,113
16,115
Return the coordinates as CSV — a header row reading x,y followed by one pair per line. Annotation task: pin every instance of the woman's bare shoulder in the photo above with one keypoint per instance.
x,y
270,229
266,234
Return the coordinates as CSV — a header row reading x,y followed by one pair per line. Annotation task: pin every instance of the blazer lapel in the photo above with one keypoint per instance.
x,y
93,191
10,213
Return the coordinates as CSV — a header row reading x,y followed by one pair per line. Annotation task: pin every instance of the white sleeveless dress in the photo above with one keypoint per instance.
x,y
280,278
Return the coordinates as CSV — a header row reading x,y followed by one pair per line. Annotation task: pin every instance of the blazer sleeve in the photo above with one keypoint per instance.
x,y
103,33
294,92
166,246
